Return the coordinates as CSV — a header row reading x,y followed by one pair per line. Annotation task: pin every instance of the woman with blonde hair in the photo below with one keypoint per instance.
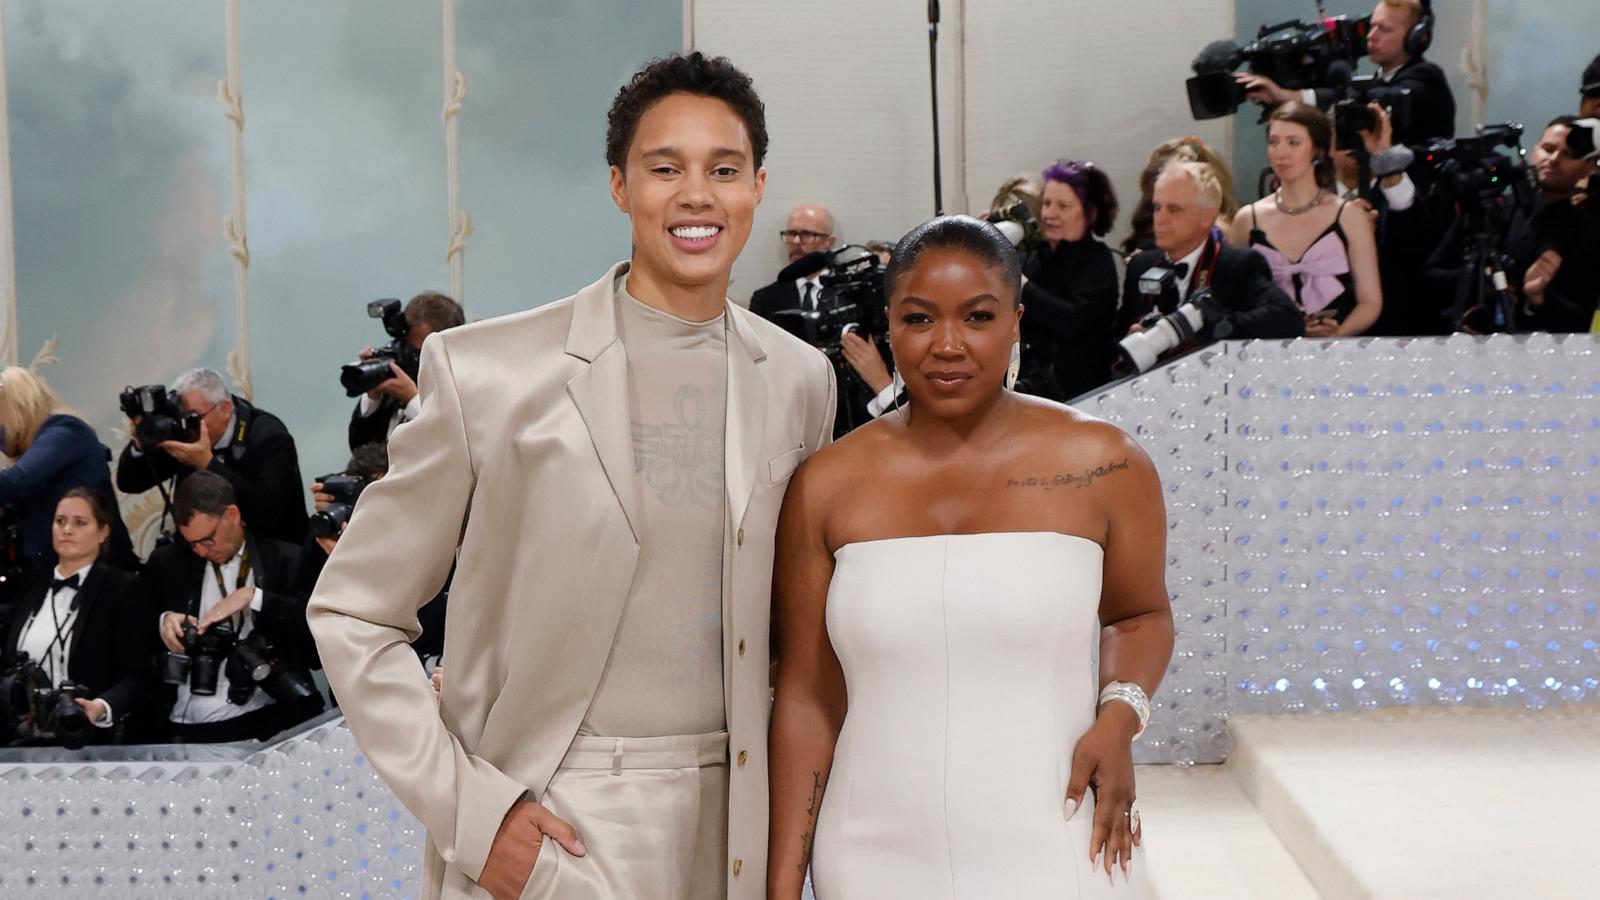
x,y
52,450
1184,149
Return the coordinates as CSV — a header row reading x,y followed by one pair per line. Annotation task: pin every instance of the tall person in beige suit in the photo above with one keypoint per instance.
x,y
607,471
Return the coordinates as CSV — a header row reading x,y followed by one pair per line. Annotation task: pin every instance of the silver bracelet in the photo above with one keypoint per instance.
x,y
1131,694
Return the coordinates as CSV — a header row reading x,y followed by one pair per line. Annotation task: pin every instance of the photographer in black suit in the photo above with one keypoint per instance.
x,y
1187,201
246,445
229,607
809,230
1401,32
394,402
84,623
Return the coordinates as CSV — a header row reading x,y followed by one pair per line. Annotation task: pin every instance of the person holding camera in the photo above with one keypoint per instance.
x,y
1320,248
244,444
78,627
1401,32
1547,248
1194,259
809,230
394,402
1069,285
334,497
239,652
52,450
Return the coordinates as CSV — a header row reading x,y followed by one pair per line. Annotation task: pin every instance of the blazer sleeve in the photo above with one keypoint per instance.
x,y
1260,309
137,474
373,429
134,645
363,615
268,486
1131,307
51,453
1086,313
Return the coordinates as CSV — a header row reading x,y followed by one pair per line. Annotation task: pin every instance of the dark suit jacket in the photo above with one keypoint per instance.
x,y
1242,284
776,296
113,641
373,429
1433,106
1412,306
65,454
261,463
171,583
1070,305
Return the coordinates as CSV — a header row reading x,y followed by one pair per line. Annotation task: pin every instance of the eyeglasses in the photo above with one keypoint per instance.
x,y
207,542
801,235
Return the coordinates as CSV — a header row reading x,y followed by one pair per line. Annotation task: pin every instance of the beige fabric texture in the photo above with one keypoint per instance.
x,y
522,458
665,672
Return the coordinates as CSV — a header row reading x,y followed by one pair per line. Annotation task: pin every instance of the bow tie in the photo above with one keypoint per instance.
x,y
71,581
1182,269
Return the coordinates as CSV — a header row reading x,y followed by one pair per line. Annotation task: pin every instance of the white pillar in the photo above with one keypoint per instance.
x,y
8,221
455,94
233,225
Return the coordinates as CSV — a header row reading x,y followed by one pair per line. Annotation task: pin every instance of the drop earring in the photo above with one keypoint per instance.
x,y
1015,369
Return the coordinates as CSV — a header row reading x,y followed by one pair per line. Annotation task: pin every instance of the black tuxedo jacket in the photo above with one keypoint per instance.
x,y
779,295
113,640
373,429
261,463
171,583
1242,283
1433,106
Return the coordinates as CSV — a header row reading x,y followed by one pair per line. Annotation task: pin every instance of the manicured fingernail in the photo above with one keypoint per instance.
x,y
577,844
1126,870
1068,808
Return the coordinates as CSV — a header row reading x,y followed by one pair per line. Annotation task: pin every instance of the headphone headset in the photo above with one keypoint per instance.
x,y
1420,37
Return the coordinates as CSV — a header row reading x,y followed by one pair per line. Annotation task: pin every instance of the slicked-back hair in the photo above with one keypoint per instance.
x,y
695,74
202,493
965,233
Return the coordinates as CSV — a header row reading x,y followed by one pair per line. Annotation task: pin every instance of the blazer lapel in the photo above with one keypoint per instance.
x,y
747,413
600,391
88,596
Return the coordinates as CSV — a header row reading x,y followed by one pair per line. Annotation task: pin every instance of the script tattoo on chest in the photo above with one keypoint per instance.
x,y
1068,479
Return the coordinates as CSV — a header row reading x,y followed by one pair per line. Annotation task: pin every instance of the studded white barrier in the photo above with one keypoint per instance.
x,y
1353,524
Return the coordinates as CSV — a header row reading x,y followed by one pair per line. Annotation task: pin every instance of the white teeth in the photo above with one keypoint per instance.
x,y
695,232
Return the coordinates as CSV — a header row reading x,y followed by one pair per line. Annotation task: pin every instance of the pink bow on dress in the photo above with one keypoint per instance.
x,y
1319,270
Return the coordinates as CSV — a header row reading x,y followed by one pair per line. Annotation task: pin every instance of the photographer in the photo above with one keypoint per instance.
x,y
239,650
80,626
394,402
52,450
1589,88
368,463
809,230
1187,200
246,445
1401,32
1069,285
1546,248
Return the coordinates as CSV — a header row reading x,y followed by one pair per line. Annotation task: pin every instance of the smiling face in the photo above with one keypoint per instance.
x,y
952,321
1558,172
691,189
1061,215
76,534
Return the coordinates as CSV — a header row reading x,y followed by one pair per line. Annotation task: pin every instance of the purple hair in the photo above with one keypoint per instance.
x,y
1093,189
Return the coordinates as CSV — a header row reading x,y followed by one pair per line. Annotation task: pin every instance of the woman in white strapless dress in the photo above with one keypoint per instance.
x,y
942,580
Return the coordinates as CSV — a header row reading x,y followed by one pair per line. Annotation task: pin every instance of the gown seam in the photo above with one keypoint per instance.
x,y
944,621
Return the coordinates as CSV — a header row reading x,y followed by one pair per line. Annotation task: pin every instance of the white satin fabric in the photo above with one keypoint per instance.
x,y
968,660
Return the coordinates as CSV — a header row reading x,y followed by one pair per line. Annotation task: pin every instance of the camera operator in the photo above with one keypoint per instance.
x,y
1406,231
1069,285
1400,33
368,463
394,402
240,652
242,443
1547,247
78,639
52,450
810,230
1187,200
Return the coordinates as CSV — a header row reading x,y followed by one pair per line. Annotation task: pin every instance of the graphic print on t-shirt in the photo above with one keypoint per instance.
x,y
681,461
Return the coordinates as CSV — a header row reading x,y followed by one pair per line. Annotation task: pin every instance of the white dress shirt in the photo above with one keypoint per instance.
x,y
47,635
816,290
1193,259
367,406
194,710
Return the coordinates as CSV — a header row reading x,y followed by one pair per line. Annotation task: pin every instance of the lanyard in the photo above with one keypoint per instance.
x,y
241,581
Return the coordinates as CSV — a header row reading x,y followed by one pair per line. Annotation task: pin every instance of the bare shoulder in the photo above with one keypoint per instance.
x,y
1085,448
846,461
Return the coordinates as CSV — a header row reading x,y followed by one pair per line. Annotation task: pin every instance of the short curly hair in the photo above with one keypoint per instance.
x,y
694,74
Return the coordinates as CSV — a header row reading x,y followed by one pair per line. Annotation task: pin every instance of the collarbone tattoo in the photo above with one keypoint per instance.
x,y
1069,479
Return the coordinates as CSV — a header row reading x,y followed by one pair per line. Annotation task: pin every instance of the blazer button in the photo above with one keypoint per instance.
x,y
743,755
741,537
741,646
738,866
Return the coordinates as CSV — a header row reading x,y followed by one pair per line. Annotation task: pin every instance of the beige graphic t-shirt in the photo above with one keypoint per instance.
x,y
665,672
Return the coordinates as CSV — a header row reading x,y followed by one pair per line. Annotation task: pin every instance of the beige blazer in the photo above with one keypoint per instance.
x,y
522,457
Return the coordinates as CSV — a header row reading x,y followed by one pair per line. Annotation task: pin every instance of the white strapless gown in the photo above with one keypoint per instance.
x,y
968,663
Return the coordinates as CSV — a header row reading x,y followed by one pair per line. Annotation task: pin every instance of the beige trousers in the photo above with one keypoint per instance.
x,y
652,813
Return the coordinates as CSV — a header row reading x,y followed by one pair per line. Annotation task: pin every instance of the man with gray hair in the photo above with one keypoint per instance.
x,y
248,446
1191,250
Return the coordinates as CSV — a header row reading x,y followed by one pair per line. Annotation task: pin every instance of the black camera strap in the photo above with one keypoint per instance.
x,y
63,630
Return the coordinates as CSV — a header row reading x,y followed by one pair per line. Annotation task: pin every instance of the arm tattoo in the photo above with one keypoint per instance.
x,y
1068,479
811,819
